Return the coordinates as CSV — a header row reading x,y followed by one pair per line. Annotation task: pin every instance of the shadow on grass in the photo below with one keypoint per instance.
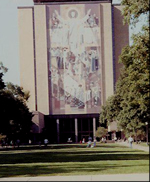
x,y
69,152
36,170
68,157
56,160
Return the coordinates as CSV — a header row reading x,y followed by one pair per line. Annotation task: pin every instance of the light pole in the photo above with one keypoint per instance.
x,y
146,123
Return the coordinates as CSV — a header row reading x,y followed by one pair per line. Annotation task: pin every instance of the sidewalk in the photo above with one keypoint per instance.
x,y
113,177
134,146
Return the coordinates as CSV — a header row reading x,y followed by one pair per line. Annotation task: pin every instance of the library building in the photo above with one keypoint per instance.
x,y
69,54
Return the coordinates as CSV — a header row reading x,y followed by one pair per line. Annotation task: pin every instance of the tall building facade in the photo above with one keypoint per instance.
x,y
69,62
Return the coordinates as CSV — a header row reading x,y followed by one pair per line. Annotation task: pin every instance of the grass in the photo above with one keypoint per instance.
x,y
144,144
73,159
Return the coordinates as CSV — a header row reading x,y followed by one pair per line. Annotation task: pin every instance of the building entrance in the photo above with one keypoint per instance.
x,y
75,127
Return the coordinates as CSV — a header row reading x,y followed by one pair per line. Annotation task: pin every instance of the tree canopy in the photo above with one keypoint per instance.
x,y
2,71
101,132
16,120
133,9
130,105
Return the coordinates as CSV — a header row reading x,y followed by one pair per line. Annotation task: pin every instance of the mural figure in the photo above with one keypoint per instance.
x,y
74,61
72,26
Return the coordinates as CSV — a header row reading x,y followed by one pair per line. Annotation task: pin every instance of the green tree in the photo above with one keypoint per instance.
x,y
111,109
101,132
133,9
2,71
18,92
130,105
16,120
133,85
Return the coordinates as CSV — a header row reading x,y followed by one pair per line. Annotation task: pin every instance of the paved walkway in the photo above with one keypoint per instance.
x,y
115,177
135,146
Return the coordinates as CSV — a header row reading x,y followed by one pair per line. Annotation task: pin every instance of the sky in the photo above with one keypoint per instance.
x,y
9,39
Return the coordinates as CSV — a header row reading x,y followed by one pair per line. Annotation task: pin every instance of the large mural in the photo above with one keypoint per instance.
x,y
74,58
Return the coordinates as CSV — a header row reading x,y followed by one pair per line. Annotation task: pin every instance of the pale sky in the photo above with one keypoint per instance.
x,y
9,40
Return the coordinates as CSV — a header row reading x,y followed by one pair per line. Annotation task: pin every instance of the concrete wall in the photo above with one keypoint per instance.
x,y
106,48
121,39
38,120
112,126
121,36
26,53
41,59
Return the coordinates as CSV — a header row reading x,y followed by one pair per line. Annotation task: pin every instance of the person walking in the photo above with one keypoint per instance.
x,y
130,139
18,142
89,144
45,142
94,143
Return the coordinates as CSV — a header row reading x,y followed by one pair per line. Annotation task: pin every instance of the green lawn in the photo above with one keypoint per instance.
x,y
144,144
73,159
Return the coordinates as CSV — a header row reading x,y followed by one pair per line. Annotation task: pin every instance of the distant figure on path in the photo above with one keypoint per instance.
x,y
83,141
45,142
103,140
115,139
89,144
30,142
18,142
130,139
94,143
69,140
40,143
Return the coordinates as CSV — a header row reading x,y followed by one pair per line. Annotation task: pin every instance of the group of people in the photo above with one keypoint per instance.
x,y
89,143
13,143
46,141
81,64
16,143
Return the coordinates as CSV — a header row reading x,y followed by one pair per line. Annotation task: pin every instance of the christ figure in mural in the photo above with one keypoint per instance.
x,y
73,26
